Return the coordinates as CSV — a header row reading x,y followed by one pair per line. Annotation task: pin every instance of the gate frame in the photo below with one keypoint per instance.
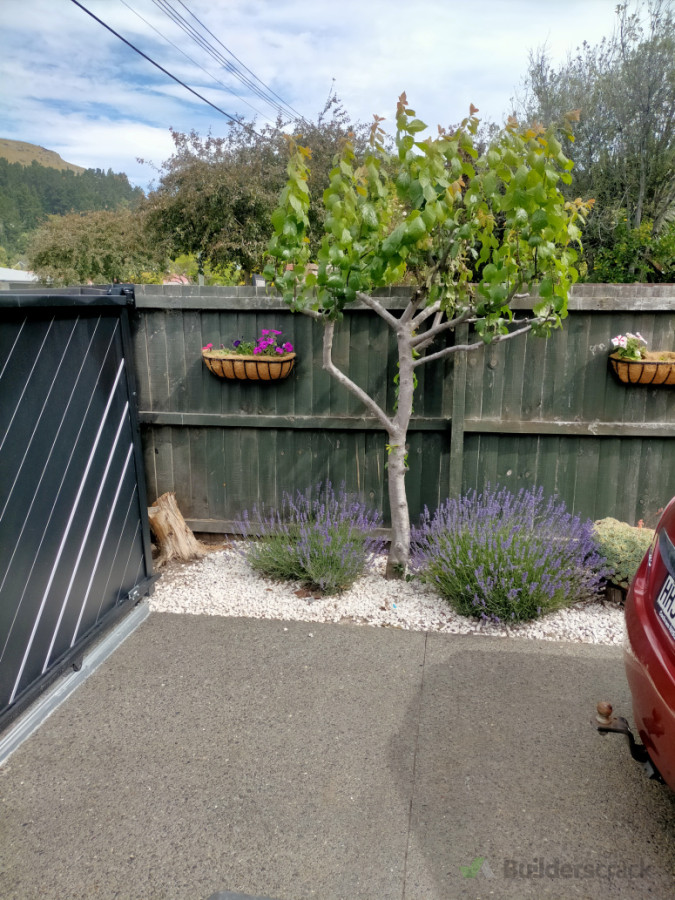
x,y
121,297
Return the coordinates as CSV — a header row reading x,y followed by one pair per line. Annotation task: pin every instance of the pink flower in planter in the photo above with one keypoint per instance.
x,y
268,344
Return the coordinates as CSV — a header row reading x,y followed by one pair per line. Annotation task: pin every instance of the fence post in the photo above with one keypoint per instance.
x,y
458,407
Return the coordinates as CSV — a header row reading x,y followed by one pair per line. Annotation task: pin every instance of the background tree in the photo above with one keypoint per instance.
x,y
624,144
216,194
470,231
100,247
28,194
189,265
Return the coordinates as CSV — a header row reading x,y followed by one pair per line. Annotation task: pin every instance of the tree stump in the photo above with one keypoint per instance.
x,y
615,594
174,538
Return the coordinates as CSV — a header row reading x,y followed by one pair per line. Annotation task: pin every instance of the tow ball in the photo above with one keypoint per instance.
x,y
606,723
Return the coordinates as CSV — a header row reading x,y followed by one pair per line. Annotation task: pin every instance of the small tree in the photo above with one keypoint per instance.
x,y
470,232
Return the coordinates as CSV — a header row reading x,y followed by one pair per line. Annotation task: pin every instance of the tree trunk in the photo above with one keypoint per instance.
x,y
399,549
396,428
175,539
642,188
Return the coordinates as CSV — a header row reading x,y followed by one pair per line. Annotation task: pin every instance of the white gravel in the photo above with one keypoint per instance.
x,y
222,584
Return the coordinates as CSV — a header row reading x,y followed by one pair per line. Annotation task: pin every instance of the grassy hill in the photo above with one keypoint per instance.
x,y
36,183
24,153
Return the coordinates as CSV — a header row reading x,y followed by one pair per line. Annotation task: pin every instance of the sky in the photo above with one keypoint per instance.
x,y
69,85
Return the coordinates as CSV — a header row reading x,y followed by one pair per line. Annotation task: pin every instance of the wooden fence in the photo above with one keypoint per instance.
x,y
528,411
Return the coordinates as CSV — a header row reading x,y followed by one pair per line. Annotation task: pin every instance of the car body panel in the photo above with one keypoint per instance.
x,y
650,650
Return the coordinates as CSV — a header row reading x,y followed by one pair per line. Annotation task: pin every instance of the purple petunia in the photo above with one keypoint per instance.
x,y
267,344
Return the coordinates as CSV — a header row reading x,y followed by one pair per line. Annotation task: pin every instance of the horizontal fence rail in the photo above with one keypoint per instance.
x,y
527,411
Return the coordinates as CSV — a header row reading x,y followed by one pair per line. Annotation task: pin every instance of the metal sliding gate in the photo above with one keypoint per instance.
x,y
74,539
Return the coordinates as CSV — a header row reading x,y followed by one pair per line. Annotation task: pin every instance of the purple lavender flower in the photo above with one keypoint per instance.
x,y
319,538
512,557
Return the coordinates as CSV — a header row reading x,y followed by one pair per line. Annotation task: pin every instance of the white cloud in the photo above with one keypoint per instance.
x,y
73,87
100,141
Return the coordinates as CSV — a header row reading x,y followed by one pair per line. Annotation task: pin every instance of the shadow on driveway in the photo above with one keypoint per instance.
x,y
294,761
516,795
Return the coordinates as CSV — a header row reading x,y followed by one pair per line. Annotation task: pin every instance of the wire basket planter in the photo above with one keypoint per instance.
x,y
238,367
656,369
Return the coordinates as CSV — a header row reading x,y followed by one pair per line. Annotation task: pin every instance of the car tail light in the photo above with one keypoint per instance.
x,y
667,551
654,575
660,558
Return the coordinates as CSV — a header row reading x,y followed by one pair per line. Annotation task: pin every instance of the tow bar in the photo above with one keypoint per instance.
x,y
606,723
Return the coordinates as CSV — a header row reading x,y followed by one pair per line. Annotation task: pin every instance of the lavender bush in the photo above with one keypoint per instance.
x,y
507,557
324,541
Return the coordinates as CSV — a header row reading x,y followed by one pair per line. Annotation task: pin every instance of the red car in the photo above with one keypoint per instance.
x,y
650,649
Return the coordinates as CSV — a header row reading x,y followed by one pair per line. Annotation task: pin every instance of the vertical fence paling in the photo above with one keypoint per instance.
x,y
525,412
74,540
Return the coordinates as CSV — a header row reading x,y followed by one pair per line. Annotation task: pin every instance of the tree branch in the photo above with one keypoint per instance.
x,y
332,369
418,297
377,307
424,339
311,312
440,264
424,315
457,348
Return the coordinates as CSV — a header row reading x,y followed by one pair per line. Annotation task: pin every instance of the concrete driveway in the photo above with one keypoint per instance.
x,y
212,756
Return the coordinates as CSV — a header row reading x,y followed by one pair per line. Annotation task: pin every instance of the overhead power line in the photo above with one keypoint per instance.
x,y
227,50
210,50
190,59
254,84
162,69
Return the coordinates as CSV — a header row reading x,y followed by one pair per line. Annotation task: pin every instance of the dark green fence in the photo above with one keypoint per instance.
x,y
525,412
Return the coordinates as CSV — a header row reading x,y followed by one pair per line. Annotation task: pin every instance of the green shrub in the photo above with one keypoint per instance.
x,y
636,254
325,541
507,557
623,546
